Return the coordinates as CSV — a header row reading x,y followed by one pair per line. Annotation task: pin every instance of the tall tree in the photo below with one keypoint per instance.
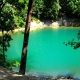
x,y
26,37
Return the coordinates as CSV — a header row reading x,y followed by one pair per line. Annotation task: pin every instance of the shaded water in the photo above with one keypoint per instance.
x,y
47,55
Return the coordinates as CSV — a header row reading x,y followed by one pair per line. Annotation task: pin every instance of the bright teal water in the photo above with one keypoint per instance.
x,y
47,55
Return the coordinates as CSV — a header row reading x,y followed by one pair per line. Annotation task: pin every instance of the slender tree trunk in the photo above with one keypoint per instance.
x,y
26,37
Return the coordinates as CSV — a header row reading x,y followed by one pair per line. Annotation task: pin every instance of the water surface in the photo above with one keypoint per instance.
x,y
47,55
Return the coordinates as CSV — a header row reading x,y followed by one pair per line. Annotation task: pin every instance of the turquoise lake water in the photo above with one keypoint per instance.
x,y
47,55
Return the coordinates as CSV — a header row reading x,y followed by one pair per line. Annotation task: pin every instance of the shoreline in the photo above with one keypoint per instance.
x,y
38,28
44,24
41,25
11,75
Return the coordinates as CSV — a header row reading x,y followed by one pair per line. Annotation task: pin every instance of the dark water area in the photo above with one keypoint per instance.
x,y
47,55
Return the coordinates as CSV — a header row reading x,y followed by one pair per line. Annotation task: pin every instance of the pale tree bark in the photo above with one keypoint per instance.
x,y
26,37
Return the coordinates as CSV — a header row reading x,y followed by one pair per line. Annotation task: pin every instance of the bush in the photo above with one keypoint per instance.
x,y
7,64
35,19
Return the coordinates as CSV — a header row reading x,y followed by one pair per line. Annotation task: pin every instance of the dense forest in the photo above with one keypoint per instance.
x,y
13,15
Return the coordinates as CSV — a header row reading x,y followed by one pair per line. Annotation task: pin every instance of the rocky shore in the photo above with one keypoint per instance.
x,y
40,25
36,26
11,75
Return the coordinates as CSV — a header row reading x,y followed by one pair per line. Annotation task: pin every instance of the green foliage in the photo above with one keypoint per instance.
x,y
7,39
6,18
73,6
2,60
46,8
19,22
41,9
38,8
10,12
15,63
4,44
73,43
13,14
35,19
9,65
70,7
20,14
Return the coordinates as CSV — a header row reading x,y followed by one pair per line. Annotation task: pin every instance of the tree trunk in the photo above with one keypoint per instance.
x,y
26,37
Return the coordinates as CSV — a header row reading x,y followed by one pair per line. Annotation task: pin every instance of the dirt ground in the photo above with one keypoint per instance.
x,y
11,75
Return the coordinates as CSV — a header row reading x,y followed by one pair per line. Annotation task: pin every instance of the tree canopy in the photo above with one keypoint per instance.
x,y
70,7
13,13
